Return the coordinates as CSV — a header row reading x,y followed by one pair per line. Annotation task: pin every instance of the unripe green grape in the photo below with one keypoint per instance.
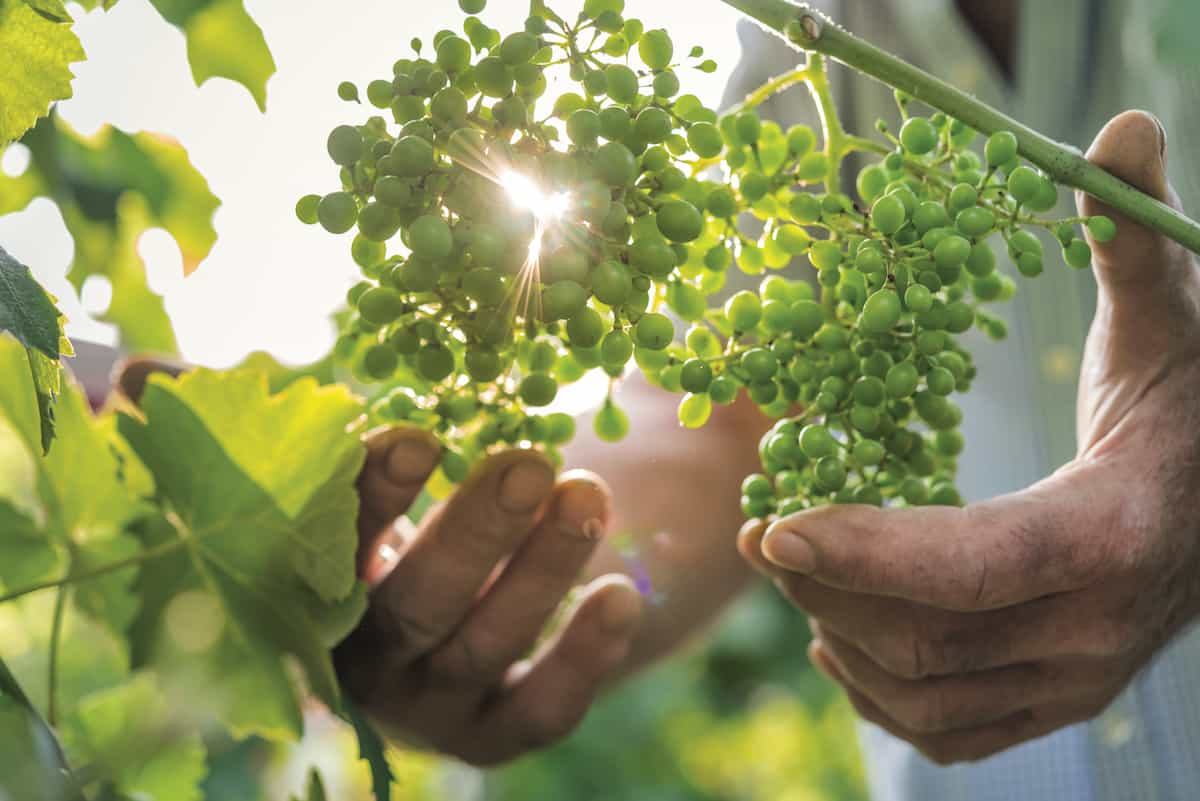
x,y
616,349
622,83
723,390
1078,255
1001,148
759,364
918,298
566,263
975,222
982,261
696,376
1102,229
511,113
586,328
430,238
563,300
518,48
953,251
865,419
656,49
902,380
686,301
380,361
888,215
1030,265
695,410
337,212
812,167
867,453
962,197
944,494
1046,197
830,474
611,423
940,380
653,125
754,186
413,157
612,283
801,139
538,389
881,312
380,93
914,491
434,362
393,191
493,77
583,127
378,222
1025,242
930,343
404,341
825,255
1024,184
744,311
705,139
483,363
918,136
872,180
721,203
472,6
615,164
816,442
680,221
307,209
654,331
345,145
367,253
929,216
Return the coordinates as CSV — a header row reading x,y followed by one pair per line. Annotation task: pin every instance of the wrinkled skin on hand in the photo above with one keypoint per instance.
x,y
968,631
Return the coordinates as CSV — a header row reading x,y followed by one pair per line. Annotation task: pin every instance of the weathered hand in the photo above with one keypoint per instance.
x,y
967,631
442,656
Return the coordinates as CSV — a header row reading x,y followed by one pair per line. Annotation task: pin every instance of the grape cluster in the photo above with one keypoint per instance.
x,y
506,253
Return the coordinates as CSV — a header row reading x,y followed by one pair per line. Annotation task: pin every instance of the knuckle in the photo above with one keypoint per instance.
x,y
903,656
928,712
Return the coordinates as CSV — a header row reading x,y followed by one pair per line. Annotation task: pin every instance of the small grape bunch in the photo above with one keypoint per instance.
x,y
506,252
905,269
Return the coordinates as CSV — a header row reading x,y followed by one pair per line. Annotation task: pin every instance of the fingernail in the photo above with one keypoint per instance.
x,y
1162,138
790,551
581,509
412,459
525,485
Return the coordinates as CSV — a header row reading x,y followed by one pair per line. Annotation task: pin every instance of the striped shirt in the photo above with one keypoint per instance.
x,y
1079,62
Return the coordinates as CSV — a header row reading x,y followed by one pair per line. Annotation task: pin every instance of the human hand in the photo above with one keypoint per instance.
x,y
442,657
967,631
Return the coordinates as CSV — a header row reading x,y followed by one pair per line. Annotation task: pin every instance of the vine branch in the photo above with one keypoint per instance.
x,y
809,30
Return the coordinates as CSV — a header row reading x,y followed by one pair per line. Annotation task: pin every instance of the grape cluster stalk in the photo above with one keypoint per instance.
x,y
507,252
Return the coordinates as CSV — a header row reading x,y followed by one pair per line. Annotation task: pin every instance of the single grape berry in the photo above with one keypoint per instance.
x,y
337,212
1102,229
611,423
889,215
918,136
1001,148
680,221
538,389
615,164
881,312
696,376
306,209
744,311
430,238
654,331
656,49
817,442
348,91
1024,184
345,145
695,410
472,6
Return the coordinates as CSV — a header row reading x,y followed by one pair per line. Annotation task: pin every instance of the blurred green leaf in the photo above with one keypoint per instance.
x,y
35,65
316,788
1174,30
373,751
28,313
257,550
223,42
32,766
111,188
53,10
128,736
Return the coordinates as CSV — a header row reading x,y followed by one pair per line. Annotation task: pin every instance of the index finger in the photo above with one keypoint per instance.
x,y
991,555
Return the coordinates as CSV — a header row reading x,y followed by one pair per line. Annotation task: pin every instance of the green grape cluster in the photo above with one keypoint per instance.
x,y
508,249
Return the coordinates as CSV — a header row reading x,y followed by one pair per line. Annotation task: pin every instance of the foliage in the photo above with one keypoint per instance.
x,y
36,54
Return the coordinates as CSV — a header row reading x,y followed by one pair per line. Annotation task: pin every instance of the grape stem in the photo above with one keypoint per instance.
x,y
808,29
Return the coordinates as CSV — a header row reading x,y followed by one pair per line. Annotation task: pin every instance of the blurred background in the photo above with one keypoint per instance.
x,y
745,718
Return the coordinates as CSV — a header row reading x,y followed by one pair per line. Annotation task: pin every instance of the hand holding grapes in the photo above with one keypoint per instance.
x,y
967,631
440,659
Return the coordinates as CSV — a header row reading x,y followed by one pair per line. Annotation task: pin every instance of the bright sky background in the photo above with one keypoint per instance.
x,y
271,282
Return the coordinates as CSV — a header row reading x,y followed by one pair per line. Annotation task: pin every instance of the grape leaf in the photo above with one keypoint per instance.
x,y
53,10
373,751
222,42
129,736
35,66
28,313
111,187
25,554
257,548
32,765
83,502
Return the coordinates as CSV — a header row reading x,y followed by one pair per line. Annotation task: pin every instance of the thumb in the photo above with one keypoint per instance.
x,y
1139,269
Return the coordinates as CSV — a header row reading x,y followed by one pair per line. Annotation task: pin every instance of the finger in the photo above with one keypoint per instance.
x,y
438,575
749,545
545,698
132,374
971,745
506,623
949,703
1139,266
987,556
913,641
399,462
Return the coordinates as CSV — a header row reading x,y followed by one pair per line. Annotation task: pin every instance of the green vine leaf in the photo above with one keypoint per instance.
x,y
222,42
35,64
257,546
111,187
53,10
32,765
316,788
373,751
130,736
28,313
